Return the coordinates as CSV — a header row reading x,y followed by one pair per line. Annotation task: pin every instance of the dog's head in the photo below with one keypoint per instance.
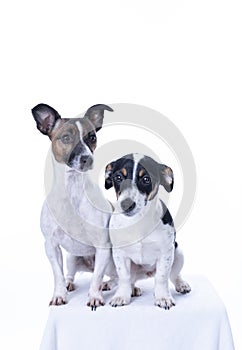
x,y
136,179
73,139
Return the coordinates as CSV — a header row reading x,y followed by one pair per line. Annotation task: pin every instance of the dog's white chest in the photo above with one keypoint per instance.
x,y
148,250
75,215
144,253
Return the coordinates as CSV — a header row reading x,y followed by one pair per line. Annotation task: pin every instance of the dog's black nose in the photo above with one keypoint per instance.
x,y
85,160
127,205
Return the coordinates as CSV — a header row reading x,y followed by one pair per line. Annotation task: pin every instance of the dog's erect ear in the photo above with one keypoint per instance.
x,y
108,176
166,177
45,117
96,113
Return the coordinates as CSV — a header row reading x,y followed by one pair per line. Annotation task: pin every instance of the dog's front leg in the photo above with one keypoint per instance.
x,y
54,255
102,258
124,291
163,296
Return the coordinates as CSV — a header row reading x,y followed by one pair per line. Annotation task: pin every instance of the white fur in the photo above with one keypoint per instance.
x,y
86,148
135,195
79,127
137,158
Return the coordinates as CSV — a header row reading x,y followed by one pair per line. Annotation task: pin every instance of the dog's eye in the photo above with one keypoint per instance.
x,y
92,138
146,180
118,178
66,138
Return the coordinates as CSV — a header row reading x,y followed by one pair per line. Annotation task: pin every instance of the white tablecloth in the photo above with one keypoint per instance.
x,y
198,322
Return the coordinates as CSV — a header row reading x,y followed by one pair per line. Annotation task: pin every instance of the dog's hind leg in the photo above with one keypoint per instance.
x,y
76,264
136,274
72,268
175,276
112,274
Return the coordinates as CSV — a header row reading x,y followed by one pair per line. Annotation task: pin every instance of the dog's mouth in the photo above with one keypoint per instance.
x,y
129,214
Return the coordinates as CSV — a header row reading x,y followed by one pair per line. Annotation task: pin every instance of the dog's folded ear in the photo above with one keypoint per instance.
x,y
166,177
108,176
96,113
45,117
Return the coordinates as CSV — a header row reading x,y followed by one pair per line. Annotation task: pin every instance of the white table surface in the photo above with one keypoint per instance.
x,y
199,321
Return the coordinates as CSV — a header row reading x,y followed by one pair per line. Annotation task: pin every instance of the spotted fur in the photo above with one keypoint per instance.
x,y
73,143
156,253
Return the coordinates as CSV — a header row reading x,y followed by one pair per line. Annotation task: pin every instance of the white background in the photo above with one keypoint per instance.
x,y
182,58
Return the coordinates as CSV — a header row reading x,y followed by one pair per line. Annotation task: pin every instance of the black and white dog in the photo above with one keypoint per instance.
x,y
75,215
142,230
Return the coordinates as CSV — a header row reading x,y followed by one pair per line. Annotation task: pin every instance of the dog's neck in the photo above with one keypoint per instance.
x,y
65,180
77,187
140,224
78,206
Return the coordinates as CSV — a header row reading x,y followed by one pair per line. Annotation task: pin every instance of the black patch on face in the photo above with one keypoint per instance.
x,y
150,179
147,176
85,160
77,150
90,140
146,182
121,181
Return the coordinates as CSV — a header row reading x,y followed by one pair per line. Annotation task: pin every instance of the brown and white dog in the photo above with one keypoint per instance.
x,y
75,215
142,231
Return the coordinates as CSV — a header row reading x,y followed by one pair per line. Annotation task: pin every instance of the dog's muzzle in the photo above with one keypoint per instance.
x,y
81,163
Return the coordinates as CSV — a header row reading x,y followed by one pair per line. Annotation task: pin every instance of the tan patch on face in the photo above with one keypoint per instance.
x,y
124,172
64,137
153,193
141,172
109,167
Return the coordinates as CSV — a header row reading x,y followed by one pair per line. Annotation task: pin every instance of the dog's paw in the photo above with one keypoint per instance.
x,y
106,286
58,300
70,286
183,287
136,292
110,284
165,303
119,301
95,302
